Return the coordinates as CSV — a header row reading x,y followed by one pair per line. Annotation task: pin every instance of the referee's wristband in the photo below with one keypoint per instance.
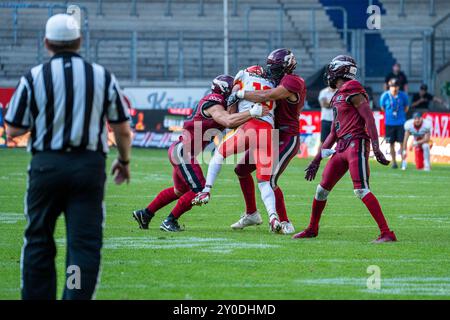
x,y
122,162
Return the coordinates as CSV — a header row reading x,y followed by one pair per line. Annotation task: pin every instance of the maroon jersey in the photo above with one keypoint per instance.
x,y
287,113
348,123
194,128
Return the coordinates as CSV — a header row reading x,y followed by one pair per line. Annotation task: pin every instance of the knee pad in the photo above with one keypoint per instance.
x,y
361,193
321,193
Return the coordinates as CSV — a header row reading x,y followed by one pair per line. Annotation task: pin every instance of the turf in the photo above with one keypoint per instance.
x,y
210,261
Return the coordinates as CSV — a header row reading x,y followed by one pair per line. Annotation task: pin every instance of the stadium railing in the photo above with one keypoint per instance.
x,y
402,13
168,11
313,27
201,8
51,7
134,39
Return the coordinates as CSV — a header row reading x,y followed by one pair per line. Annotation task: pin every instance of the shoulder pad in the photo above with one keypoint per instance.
x,y
352,86
408,124
214,97
239,76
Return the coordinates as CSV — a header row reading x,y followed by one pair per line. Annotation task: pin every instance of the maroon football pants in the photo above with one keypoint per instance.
x,y
355,158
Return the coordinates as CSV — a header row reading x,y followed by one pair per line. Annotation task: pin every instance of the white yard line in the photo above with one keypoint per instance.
x,y
429,286
217,245
11,217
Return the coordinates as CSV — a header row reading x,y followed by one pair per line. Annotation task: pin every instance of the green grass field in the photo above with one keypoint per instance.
x,y
210,261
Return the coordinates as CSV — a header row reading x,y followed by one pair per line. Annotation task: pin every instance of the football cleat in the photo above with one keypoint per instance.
x,y
201,198
247,220
386,237
143,218
287,227
274,223
307,233
170,225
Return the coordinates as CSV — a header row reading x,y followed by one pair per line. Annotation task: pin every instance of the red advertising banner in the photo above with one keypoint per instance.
x,y
5,96
441,124
151,133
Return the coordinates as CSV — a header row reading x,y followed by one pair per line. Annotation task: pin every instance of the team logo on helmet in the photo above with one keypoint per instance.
x,y
280,62
341,66
222,85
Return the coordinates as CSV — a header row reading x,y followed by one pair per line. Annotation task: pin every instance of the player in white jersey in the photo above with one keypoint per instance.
x,y
251,79
256,136
420,129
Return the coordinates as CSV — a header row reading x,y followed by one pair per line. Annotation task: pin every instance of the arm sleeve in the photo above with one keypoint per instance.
x,y
292,84
212,100
367,115
18,113
206,105
353,88
117,109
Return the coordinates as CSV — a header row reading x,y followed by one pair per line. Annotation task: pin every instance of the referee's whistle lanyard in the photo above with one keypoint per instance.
x,y
394,102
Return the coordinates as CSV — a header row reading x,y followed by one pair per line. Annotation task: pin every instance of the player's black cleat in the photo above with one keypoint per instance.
x,y
143,218
170,225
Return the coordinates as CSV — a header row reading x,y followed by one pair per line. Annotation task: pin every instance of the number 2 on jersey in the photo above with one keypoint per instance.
x,y
257,86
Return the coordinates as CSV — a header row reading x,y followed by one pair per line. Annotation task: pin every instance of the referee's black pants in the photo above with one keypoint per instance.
x,y
73,183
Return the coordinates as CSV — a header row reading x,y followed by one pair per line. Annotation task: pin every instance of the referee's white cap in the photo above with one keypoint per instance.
x,y
62,27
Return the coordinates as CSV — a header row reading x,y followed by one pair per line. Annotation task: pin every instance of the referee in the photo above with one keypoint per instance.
x,y
65,104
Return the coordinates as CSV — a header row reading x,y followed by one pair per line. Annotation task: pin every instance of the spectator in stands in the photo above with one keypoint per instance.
x,y
325,96
399,75
422,99
395,104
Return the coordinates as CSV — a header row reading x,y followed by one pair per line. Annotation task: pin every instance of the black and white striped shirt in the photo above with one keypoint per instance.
x,y
65,103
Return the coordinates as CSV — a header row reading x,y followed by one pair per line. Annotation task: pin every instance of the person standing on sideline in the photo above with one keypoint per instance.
x,y
398,74
65,104
326,114
395,105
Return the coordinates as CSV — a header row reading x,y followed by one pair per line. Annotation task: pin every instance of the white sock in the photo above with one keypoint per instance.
x,y
213,171
267,196
426,155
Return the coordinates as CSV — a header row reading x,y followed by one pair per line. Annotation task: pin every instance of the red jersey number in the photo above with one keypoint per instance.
x,y
257,86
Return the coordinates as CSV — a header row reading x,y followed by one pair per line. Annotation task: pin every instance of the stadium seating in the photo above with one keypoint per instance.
x,y
185,41
416,16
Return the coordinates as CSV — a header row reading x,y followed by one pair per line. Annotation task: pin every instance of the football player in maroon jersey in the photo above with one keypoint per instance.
x,y
290,96
206,121
353,129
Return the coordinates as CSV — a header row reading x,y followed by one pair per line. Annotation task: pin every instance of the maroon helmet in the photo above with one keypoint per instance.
x,y
223,85
280,62
341,67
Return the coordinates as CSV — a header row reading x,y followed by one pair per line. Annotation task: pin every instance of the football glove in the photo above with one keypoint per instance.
x,y
312,169
256,110
380,157
201,198
232,99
